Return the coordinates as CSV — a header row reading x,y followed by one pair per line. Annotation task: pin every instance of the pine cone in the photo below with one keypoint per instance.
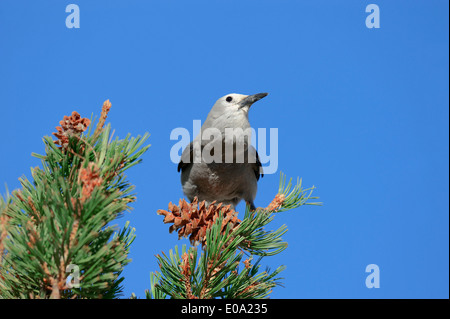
x,y
72,125
276,203
90,179
101,122
195,219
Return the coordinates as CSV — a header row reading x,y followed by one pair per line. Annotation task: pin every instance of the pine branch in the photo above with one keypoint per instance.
x,y
225,239
61,220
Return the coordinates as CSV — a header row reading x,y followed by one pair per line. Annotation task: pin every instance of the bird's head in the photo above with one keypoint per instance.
x,y
236,102
231,110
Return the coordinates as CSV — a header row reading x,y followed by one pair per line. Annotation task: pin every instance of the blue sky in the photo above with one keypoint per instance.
x,y
361,113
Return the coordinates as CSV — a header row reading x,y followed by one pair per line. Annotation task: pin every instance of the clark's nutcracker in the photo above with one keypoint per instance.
x,y
220,164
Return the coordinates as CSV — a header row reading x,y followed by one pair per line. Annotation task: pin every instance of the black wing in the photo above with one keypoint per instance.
x,y
187,154
258,167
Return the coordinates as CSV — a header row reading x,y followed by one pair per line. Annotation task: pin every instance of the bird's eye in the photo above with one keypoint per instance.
x,y
229,99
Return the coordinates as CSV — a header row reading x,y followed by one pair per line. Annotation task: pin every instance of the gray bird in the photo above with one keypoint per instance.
x,y
215,167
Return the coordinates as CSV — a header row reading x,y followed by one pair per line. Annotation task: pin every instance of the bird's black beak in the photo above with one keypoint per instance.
x,y
249,100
